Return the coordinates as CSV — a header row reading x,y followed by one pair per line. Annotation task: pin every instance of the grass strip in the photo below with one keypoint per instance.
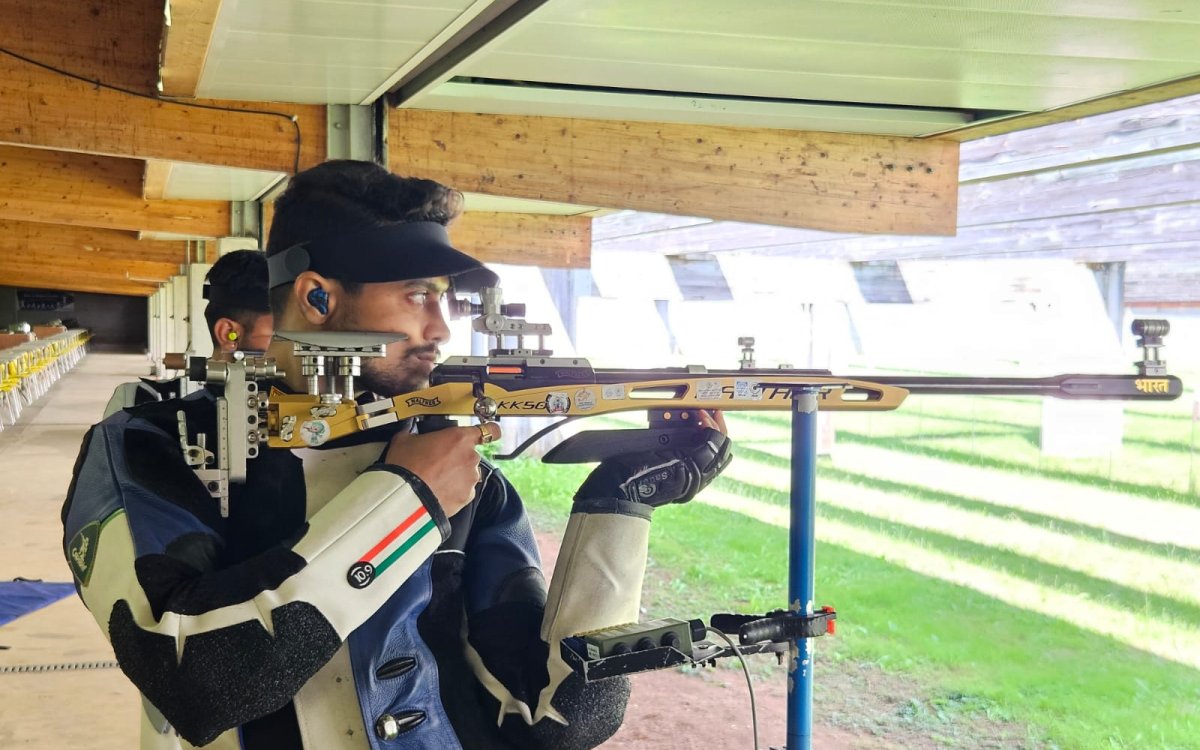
x,y
827,469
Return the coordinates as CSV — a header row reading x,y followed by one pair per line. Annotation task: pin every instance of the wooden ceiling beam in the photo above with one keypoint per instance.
x,y
185,43
42,109
829,181
521,239
525,239
115,41
76,282
87,266
32,239
95,191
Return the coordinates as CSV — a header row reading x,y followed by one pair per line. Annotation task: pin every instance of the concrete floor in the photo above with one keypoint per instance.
x,y
95,708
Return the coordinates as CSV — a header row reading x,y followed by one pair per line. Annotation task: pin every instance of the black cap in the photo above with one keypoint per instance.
x,y
392,252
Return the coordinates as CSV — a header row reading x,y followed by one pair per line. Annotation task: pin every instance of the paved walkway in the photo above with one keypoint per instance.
x,y
94,709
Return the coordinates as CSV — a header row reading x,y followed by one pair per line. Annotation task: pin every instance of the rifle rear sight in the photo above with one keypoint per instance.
x,y
747,362
500,321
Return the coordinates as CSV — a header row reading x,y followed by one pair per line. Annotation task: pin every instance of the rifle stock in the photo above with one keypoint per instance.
x,y
296,421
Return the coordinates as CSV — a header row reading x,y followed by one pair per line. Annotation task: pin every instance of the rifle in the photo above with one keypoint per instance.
x,y
516,380
520,381
531,382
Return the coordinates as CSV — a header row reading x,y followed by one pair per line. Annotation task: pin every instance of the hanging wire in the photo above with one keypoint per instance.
x,y
749,685
164,100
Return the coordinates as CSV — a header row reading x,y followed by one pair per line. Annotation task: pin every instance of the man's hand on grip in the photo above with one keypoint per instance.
x,y
446,460
660,477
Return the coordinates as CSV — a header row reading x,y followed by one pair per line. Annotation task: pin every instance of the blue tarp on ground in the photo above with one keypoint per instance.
x,y
22,597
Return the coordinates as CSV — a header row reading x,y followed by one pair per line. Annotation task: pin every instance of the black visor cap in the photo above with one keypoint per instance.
x,y
394,252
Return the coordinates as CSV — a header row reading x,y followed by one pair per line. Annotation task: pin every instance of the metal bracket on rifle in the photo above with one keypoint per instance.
x,y
241,421
330,361
204,462
500,321
747,344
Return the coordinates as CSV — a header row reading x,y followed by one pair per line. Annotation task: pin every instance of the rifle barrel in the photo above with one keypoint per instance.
x,y
1091,387
1081,386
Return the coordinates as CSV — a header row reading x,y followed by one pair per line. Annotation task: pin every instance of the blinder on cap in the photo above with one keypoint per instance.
x,y
393,252
237,299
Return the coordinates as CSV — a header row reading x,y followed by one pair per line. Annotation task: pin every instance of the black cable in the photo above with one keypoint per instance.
x,y
749,685
536,437
130,92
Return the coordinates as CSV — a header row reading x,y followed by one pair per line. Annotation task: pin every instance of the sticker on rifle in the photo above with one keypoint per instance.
x,y
314,432
558,403
747,390
612,392
585,400
708,390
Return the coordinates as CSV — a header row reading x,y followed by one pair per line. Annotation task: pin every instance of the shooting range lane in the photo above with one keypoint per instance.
x,y
36,457
1150,520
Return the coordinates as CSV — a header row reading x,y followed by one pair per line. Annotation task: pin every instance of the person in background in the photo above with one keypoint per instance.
x,y
238,315
239,311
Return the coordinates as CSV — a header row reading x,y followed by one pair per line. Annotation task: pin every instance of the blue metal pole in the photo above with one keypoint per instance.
x,y
801,561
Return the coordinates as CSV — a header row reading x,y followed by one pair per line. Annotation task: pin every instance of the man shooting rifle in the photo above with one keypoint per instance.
x,y
379,591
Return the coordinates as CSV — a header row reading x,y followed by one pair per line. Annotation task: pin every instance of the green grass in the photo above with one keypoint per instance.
x,y
966,651
1157,607
826,470
1160,457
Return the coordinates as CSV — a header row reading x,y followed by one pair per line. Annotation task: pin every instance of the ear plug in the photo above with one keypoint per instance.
x,y
319,299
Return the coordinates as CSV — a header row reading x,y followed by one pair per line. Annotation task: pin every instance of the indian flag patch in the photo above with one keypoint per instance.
x,y
390,549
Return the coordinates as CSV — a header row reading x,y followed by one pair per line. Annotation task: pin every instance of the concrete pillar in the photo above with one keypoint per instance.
x,y
159,320
566,286
245,222
152,324
179,314
1089,429
1110,279
354,131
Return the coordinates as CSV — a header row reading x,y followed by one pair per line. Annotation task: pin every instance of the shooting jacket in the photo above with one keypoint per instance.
x,y
335,608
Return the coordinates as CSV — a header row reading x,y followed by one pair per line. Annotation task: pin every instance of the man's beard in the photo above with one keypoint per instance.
x,y
385,378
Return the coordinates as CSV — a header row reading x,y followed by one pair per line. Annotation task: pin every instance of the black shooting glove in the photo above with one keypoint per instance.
x,y
657,478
